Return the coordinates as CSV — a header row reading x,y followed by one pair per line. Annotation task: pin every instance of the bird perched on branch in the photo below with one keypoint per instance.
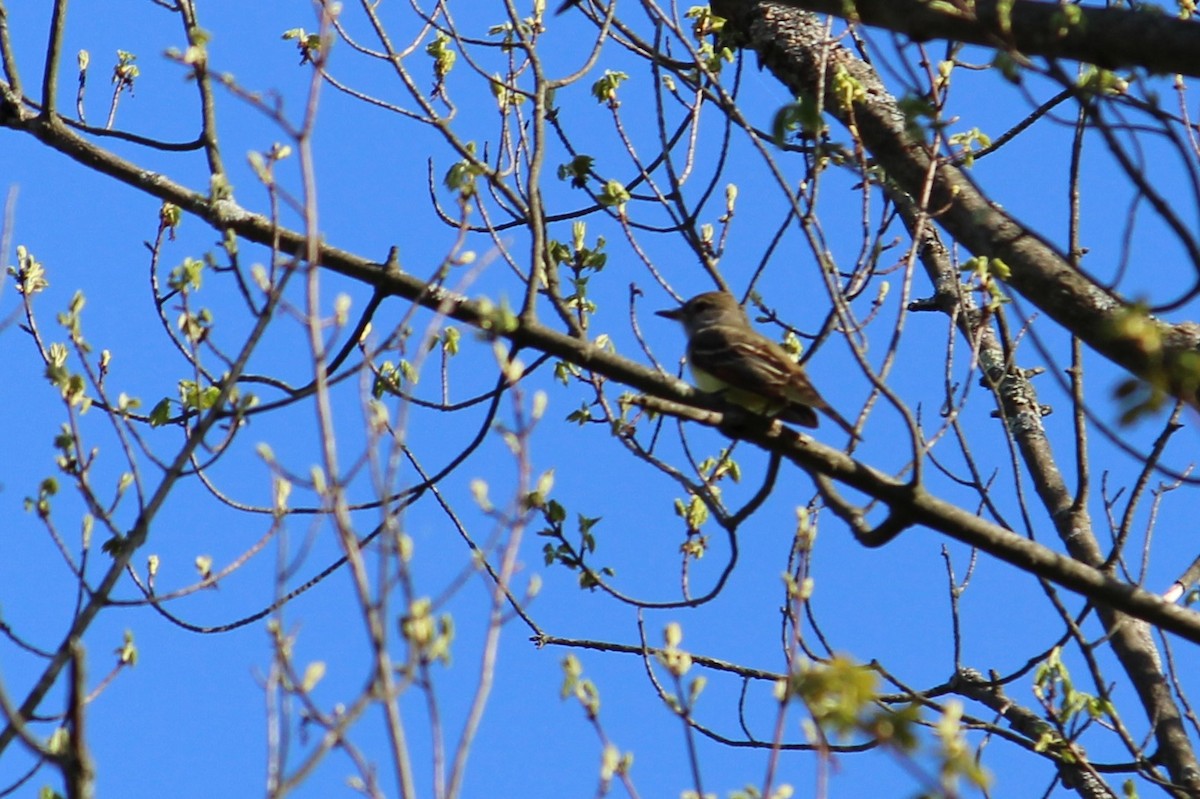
x,y
730,358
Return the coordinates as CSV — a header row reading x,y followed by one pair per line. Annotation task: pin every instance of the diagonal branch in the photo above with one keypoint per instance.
x,y
793,45
926,510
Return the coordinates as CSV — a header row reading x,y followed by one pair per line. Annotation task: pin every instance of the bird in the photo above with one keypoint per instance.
x,y
727,356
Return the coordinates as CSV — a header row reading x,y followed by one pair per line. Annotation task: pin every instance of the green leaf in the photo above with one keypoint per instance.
x,y
161,413
443,57
605,89
187,276
197,398
577,169
613,194
31,276
127,653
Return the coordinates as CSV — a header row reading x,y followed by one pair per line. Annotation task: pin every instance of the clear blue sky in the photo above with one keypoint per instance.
x,y
188,721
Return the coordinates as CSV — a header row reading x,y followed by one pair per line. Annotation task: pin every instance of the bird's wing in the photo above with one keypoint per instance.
x,y
752,363
757,365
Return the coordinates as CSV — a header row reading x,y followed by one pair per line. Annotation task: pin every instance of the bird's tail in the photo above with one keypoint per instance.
x,y
840,421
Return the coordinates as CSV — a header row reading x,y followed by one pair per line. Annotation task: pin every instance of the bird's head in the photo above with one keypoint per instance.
x,y
706,310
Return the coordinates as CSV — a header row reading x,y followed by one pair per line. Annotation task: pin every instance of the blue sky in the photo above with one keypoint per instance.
x,y
189,719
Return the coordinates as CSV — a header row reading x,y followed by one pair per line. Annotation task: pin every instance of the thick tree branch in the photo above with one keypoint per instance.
x,y
957,523
793,45
1106,37
1073,773
1129,637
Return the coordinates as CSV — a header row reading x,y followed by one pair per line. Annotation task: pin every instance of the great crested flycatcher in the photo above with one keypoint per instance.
x,y
730,358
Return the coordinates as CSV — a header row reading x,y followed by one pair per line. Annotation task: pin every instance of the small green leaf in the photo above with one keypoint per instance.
x,y
613,194
605,89
443,57
127,653
161,413
187,276
578,169
312,675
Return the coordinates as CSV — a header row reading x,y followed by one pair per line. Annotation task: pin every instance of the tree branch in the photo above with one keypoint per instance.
x,y
962,525
793,45
1106,37
927,510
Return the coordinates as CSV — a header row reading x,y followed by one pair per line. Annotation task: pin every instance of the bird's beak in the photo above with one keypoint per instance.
x,y
674,313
